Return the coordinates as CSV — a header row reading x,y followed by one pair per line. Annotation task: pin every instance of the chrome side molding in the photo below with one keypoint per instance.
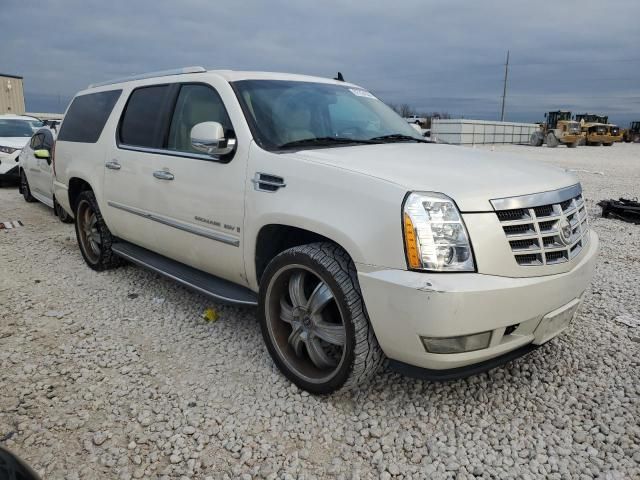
x,y
212,235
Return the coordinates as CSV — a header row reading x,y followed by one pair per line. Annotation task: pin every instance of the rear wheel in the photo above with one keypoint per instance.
x,y
94,237
314,322
536,139
636,139
24,188
61,213
573,145
608,144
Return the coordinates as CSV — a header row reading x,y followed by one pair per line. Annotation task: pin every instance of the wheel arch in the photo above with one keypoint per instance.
x,y
274,238
77,185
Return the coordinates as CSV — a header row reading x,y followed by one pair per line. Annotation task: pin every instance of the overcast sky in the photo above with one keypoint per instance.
x,y
434,55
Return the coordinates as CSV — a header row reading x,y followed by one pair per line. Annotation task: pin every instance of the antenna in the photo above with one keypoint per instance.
x,y
504,91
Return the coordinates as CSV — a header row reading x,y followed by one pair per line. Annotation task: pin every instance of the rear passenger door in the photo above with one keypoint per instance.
x,y
130,189
193,204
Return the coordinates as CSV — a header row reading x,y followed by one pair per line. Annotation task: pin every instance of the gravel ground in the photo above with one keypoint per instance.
x,y
117,375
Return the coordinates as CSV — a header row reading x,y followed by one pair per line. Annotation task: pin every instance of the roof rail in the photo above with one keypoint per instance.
x,y
162,73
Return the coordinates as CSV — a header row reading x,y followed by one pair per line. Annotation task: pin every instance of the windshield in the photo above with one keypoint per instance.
x,y
15,128
284,114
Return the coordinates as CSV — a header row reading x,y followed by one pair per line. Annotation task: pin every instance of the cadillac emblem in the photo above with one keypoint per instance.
x,y
564,227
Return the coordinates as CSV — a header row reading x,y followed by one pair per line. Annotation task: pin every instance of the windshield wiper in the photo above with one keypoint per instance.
x,y
398,137
324,141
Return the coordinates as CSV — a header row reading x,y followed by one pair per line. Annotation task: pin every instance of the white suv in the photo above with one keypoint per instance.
x,y
312,199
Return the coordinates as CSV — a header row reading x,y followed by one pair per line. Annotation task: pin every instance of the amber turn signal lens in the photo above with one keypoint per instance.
x,y
411,243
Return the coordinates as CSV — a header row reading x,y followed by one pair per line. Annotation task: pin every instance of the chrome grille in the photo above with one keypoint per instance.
x,y
535,231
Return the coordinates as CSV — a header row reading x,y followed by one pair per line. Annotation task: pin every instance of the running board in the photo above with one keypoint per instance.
x,y
213,287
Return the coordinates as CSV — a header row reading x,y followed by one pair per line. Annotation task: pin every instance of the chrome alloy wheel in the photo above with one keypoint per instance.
x,y
88,231
305,323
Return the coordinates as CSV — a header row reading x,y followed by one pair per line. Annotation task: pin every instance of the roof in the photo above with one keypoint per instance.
x,y
229,75
11,116
10,76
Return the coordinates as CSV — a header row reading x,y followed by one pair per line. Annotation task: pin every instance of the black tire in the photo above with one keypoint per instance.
x,y
536,139
636,139
101,258
573,145
360,354
607,144
552,141
61,213
24,188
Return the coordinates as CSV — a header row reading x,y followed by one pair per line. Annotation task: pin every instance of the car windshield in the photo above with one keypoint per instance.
x,y
15,128
292,114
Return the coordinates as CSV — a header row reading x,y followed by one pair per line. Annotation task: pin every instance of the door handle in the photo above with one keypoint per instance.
x,y
113,165
163,175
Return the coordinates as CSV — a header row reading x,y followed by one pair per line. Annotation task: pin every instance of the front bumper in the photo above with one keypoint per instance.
x,y
8,163
11,174
404,306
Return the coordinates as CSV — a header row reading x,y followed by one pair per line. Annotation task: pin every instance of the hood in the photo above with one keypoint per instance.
x,y
470,177
14,142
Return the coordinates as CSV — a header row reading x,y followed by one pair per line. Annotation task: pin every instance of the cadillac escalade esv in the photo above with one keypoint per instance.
x,y
357,240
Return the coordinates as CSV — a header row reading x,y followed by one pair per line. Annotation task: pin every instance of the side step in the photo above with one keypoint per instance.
x,y
216,288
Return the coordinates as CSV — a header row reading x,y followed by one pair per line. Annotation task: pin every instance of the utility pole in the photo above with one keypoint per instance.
x,y
504,91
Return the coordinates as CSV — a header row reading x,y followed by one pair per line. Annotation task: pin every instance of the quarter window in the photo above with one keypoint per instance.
x,y
142,124
195,104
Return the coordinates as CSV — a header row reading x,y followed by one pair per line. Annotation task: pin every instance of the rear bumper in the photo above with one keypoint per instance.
x,y
404,306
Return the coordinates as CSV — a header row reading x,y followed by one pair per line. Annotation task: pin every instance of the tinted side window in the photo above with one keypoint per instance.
x,y
195,104
143,119
87,115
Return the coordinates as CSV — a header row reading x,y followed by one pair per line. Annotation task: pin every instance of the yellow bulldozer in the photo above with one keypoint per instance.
x,y
595,129
632,134
558,128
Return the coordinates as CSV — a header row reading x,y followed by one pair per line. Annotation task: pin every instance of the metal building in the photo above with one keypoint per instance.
x,y
11,94
476,132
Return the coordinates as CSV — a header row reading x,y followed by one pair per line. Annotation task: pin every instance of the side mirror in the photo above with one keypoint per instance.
x,y
208,138
42,153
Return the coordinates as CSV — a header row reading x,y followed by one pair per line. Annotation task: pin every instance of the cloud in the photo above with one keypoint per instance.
x,y
434,55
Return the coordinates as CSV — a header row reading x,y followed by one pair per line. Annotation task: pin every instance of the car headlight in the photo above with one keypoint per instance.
x,y
434,233
8,149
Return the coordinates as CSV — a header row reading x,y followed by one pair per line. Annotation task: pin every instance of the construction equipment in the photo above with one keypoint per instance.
x,y
594,128
558,128
614,133
632,134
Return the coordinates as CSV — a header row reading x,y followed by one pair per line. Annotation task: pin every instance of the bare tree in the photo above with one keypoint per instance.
x,y
405,110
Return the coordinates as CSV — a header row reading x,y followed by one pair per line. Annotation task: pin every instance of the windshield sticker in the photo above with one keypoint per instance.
x,y
361,93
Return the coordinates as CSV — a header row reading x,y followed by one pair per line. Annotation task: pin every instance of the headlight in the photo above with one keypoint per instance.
x,y
8,149
434,233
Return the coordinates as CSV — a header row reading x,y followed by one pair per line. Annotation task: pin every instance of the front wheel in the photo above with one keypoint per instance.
x,y
552,141
24,188
314,322
94,237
